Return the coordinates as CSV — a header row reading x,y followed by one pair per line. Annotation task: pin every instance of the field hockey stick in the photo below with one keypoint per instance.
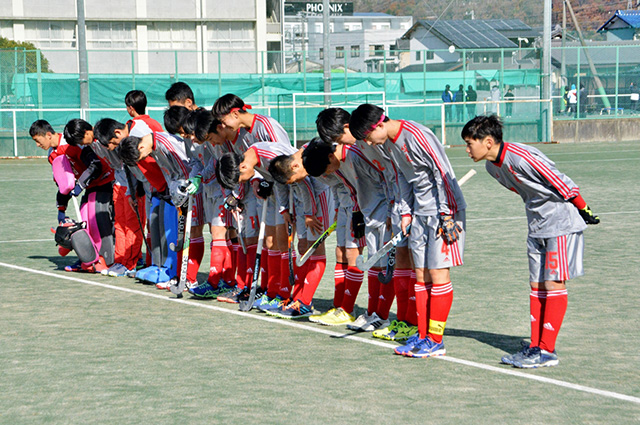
x,y
238,217
178,288
366,265
134,202
301,260
292,277
391,261
248,304
77,208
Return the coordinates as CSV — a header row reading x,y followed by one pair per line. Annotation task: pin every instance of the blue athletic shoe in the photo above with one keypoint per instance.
x,y
410,343
116,270
427,348
510,359
536,357
272,304
261,301
204,290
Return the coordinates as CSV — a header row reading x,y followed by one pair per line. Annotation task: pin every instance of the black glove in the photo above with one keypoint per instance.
x,y
232,203
139,190
449,229
588,216
357,224
264,189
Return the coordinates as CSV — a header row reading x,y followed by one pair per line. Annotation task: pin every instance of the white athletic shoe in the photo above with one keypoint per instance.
x,y
164,285
374,323
362,320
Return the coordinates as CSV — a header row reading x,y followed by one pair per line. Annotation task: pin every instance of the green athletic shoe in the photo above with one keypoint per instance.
x,y
386,331
404,332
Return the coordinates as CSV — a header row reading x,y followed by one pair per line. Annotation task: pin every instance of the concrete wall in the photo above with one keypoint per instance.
x,y
596,130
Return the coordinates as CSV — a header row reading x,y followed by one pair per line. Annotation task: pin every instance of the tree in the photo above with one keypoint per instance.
x,y
18,57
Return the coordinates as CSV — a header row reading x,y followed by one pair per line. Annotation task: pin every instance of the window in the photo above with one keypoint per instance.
x,y
172,35
376,50
111,35
6,29
50,33
339,52
231,35
417,55
355,51
429,54
321,53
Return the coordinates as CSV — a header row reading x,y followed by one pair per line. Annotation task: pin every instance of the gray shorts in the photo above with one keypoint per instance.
x,y
376,238
557,259
344,233
428,250
197,210
396,219
214,210
324,213
273,215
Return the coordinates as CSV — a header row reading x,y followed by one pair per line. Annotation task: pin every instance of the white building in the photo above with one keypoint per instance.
x,y
151,36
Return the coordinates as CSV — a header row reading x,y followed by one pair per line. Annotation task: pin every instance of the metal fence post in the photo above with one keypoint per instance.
x,y
15,134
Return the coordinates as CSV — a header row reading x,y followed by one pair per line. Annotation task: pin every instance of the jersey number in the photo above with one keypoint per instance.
x,y
552,260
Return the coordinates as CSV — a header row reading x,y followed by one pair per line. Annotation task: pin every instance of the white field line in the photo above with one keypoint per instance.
x,y
561,161
28,240
523,217
504,371
24,180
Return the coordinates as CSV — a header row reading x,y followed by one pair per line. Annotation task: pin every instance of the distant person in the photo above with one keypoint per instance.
x,y
447,98
494,97
181,94
472,96
573,100
136,102
582,98
565,98
459,97
509,96
634,97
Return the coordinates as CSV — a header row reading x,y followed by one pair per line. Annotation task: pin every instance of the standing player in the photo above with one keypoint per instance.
x,y
556,213
432,203
181,94
136,102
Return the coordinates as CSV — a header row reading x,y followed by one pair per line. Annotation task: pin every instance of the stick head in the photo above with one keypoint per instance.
x,y
360,263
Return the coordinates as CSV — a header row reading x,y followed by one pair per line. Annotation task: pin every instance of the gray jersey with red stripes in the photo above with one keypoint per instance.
x,y
266,129
170,155
429,185
544,190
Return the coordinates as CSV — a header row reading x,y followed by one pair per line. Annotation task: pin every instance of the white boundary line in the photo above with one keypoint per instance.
x,y
523,217
28,240
504,371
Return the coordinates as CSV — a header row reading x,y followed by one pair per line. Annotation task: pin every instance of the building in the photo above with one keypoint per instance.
x,y
152,36
623,25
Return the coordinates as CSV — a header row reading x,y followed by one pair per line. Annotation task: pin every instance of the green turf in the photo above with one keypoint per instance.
x,y
76,353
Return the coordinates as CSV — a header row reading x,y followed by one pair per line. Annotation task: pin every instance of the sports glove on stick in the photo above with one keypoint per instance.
x,y
231,203
194,185
588,216
357,224
77,190
264,189
449,229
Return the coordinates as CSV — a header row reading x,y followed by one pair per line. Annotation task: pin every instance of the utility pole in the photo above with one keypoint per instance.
x,y
325,43
546,108
563,65
82,58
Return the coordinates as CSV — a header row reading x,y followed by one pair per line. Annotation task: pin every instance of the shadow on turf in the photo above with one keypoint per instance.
x,y
507,343
58,261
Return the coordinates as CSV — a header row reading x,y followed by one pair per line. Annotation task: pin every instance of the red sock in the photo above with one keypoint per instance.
x,y
250,262
273,279
401,280
385,299
440,302
228,273
196,252
285,287
241,268
536,305
318,264
352,287
218,254
422,291
235,247
264,269
339,277
373,286
412,313
553,314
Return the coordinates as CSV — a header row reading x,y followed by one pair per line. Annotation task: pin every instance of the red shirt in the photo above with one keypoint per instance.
x,y
153,124
152,172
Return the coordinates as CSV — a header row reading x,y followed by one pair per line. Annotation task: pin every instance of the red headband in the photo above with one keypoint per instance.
x,y
244,108
373,127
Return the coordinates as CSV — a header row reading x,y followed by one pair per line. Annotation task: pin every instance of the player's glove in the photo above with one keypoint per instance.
x,y
264,189
232,203
448,229
194,185
77,190
357,224
61,216
588,216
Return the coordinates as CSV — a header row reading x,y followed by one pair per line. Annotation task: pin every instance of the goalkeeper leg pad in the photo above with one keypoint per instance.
x,y
84,247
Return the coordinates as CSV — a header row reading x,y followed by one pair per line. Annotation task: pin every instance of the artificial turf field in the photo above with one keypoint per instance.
x,y
79,348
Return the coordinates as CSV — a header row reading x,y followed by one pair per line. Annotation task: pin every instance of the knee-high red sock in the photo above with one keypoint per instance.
x,y
285,286
241,268
439,306
196,252
352,287
264,269
318,263
537,298
340,278
218,254
250,263
553,315
385,299
229,274
412,313
373,287
273,279
235,247
401,279
422,292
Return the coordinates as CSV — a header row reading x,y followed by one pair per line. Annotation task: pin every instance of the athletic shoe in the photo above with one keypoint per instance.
x,y
75,267
336,318
403,332
273,304
231,297
316,317
164,285
359,322
426,348
292,310
386,332
99,266
408,346
536,357
116,270
261,301
204,291
374,322
511,358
